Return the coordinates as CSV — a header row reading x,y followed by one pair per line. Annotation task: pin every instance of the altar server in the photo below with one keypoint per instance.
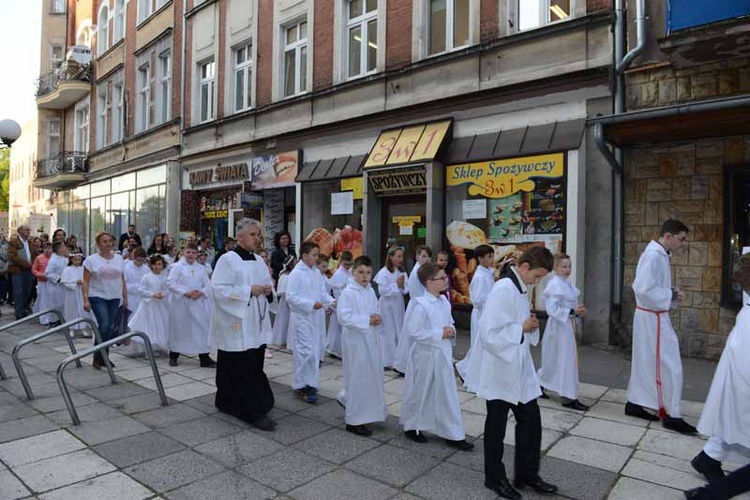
x,y
360,321
53,273
505,376
391,281
422,255
306,303
430,402
337,284
135,270
726,414
559,371
242,294
656,367
152,315
72,280
190,309
325,289
479,289
281,320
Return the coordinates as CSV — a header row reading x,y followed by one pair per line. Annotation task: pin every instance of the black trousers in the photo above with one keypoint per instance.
x,y
733,484
528,440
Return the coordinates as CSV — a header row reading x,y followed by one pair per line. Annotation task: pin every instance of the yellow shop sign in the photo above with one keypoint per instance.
x,y
501,178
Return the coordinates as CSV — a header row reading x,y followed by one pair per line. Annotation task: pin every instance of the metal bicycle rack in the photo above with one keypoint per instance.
x,y
26,320
46,333
103,346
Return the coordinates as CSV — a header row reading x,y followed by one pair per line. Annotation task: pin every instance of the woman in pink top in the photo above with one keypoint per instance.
x,y
37,269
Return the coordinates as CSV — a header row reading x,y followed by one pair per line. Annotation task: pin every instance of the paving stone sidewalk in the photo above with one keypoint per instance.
x,y
130,447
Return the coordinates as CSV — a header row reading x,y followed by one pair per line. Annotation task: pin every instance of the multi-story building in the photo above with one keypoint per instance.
x,y
686,154
448,122
25,200
116,103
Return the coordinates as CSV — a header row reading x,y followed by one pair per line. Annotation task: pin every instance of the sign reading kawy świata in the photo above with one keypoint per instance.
x,y
502,178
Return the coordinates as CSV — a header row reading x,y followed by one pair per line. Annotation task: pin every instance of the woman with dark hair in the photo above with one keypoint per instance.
x,y
73,242
158,246
283,249
59,234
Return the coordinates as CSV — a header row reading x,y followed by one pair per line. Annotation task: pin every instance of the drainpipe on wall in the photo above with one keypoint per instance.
x,y
615,159
183,72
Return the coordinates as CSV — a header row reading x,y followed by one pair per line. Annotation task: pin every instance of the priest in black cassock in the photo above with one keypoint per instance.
x,y
242,292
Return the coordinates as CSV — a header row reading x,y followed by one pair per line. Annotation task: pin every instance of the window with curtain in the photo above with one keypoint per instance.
x,y
295,59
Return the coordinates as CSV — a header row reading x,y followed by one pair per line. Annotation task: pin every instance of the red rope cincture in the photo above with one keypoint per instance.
x,y
662,411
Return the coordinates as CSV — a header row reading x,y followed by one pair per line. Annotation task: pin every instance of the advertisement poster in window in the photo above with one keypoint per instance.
x,y
275,171
525,200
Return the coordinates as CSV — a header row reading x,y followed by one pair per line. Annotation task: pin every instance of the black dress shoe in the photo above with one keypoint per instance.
x,y
359,430
207,362
264,423
634,410
707,466
678,425
504,489
699,494
544,394
172,362
461,444
415,436
536,484
576,405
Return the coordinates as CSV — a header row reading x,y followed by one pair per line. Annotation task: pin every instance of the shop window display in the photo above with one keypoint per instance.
x,y
511,204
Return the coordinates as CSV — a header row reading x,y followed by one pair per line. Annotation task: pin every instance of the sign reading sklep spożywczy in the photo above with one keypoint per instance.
x,y
501,178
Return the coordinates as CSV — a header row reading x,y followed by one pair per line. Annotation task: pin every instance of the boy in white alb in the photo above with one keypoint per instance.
x,y
306,303
479,289
363,371
55,267
135,270
337,284
190,310
430,396
559,371
655,342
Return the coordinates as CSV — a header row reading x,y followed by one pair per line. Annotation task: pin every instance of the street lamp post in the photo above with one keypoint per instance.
x,y
9,132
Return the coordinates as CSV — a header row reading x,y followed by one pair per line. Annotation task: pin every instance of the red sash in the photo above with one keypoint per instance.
x,y
662,411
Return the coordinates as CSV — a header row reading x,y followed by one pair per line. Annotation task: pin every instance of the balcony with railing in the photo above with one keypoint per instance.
x,y
61,171
64,86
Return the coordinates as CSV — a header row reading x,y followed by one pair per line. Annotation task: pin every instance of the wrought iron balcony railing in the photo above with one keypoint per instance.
x,y
64,163
69,71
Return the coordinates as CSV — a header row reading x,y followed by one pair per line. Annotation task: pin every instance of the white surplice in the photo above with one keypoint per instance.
x,y
152,315
322,315
413,285
303,291
133,276
559,371
502,367
55,290
337,284
479,290
239,321
392,308
188,318
363,370
430,396
72,279
653,298
279,334
726,414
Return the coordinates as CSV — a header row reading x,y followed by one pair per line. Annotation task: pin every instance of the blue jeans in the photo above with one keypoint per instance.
x,y
22,283
105,311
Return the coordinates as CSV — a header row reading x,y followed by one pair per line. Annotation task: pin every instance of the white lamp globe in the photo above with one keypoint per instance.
x,y
9,132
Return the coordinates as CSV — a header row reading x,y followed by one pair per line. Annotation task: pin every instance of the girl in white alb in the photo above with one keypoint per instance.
x,y
152,315
391,281
135,270
72,281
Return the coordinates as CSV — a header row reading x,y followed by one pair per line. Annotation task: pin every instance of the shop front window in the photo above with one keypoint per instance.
x,y
332,216
511,204
97,218
149,210
737,239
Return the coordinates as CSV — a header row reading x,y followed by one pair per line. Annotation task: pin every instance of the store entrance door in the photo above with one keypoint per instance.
x,y
404,220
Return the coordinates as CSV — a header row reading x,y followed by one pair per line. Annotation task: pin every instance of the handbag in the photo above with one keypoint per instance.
x,y
120,326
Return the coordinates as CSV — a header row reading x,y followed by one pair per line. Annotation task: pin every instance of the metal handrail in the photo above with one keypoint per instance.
x,y
26,320
103,346
46,333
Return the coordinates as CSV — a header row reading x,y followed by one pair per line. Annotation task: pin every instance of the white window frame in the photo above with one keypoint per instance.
x,y
247,69
208,82
54,61
145,9
118,93
143,100
58,7
363,22
51,134
120,20
102,35
300,87
164,88
103,109
514,13
449,26
82,134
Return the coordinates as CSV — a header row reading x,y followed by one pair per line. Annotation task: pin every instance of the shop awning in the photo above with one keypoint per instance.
x,y
536,139
337,168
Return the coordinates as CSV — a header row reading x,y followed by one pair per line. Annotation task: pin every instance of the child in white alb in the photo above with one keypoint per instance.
x,y
391,281
72,280
152,315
